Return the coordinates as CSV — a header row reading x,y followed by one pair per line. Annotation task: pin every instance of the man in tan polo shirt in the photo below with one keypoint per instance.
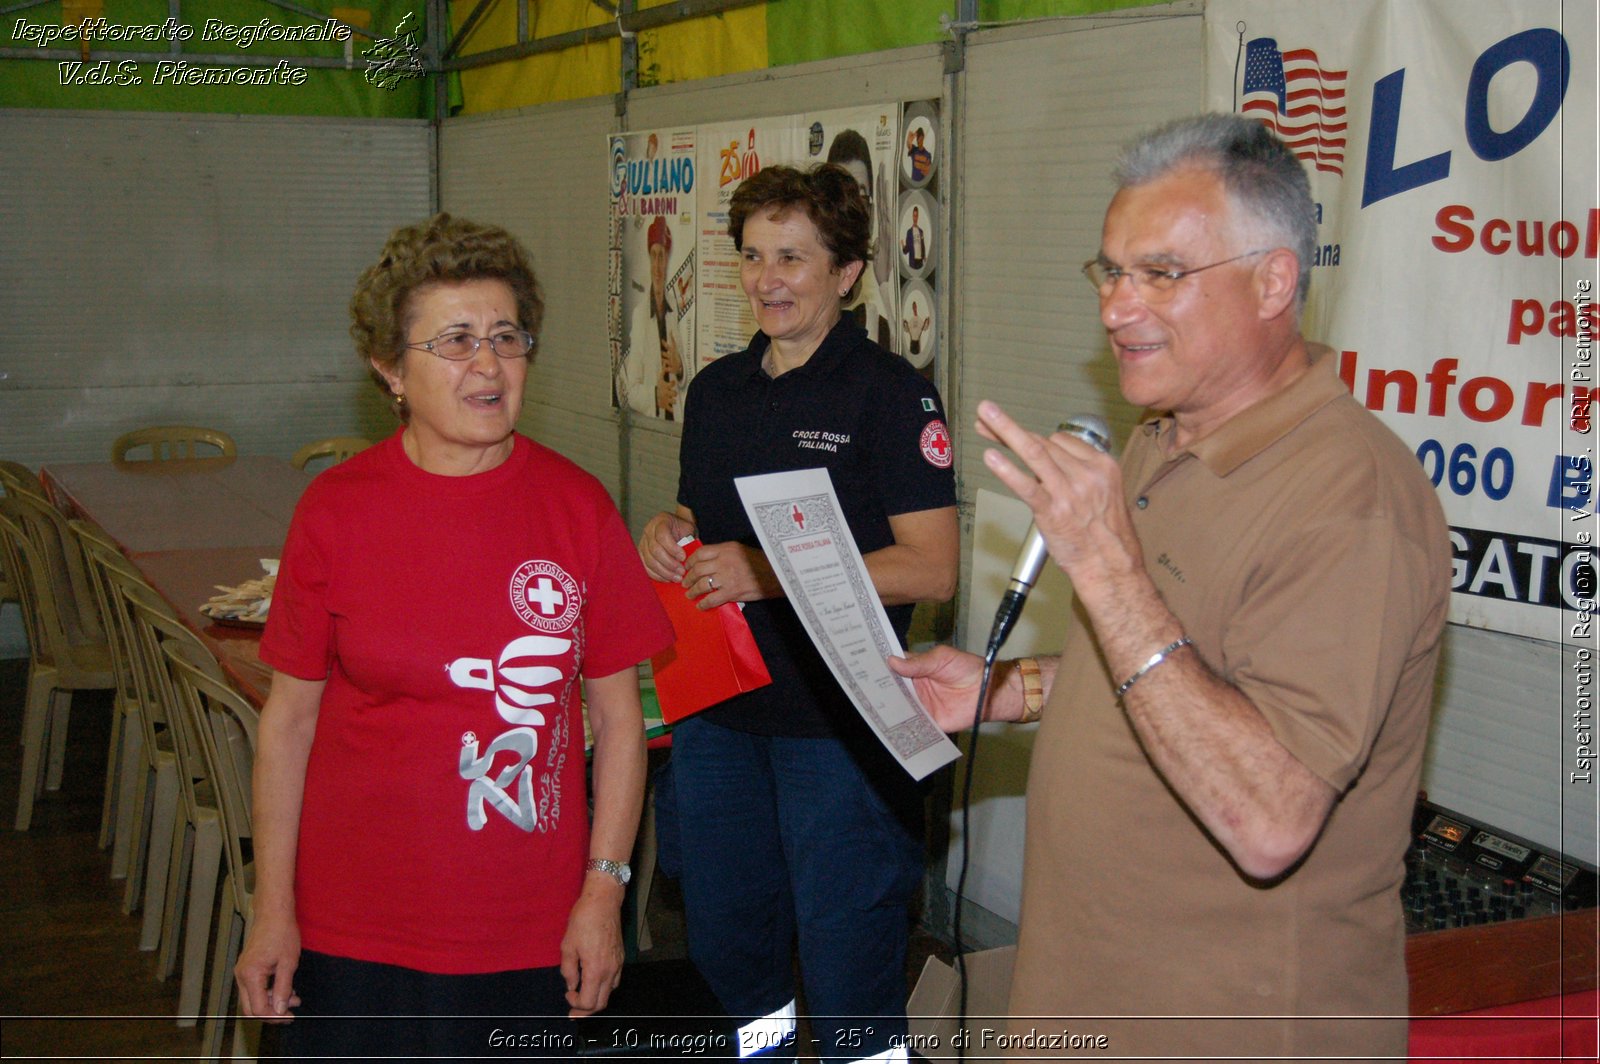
x,y
1222,783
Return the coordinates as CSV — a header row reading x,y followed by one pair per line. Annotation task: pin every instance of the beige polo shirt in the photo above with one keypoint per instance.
x,y
1307,555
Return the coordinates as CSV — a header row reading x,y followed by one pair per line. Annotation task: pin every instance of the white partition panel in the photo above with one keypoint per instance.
x,y
161,268
542,173
1508,735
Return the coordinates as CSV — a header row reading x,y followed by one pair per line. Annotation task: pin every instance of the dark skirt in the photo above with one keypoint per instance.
x,y
362,1010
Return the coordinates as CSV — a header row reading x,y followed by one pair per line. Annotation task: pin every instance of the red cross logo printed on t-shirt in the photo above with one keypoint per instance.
x,y
799,518
935,444
547,597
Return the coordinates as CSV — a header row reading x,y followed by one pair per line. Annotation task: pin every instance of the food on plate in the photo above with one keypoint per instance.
x,y
248,602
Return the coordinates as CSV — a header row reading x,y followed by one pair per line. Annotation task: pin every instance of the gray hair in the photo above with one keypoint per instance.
x,y
1264,181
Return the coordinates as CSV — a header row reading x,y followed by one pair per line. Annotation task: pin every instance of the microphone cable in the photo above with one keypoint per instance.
x,y
997,636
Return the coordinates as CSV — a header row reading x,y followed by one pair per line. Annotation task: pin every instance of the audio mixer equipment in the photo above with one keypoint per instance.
x,y
1462,874
1492,918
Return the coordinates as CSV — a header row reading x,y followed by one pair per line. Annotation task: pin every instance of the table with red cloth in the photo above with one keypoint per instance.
x,y
1553,1028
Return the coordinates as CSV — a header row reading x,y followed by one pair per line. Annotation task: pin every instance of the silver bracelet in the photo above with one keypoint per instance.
x,y
1155,659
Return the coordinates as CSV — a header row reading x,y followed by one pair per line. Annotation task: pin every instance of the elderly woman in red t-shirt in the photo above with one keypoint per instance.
x,y
422,843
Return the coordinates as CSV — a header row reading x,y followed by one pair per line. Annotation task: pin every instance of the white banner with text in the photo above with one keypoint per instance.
x,y
1452,152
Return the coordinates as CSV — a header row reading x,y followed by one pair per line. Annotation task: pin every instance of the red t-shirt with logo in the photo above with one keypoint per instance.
x,y
445,821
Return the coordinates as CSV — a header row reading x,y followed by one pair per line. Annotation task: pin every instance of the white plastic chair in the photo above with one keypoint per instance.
x,y
337,448
125,757
153,804
67,650
180,891
172,443
226,726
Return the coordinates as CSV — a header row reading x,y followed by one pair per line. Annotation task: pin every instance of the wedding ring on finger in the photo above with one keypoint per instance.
x,y
711,582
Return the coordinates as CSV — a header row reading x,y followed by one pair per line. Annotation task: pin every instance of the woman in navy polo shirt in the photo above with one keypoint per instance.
x,y
796,827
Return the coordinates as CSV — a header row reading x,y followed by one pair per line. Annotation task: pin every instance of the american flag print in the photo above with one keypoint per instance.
x,y
1296,98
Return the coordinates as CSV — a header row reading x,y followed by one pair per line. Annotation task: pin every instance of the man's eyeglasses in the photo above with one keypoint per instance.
x,y
1154,284
458,347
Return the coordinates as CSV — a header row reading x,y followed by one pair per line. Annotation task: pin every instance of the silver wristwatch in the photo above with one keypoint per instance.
x,y
617,870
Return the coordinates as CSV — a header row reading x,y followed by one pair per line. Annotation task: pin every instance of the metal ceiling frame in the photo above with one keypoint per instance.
x,y
626,21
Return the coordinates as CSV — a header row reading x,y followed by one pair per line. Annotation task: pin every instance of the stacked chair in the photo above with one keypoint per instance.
x,y
162,443
183,869
177,802
126,760
148,750
226,725
19,475
67,647
168,827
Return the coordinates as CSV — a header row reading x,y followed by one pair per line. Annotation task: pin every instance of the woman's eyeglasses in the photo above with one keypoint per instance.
x,y
458,347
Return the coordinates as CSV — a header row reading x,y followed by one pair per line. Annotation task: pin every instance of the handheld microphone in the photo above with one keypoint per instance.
x,y
1091,429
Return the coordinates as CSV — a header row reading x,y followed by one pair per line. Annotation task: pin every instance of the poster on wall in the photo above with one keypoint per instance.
x,y
677,302
864,142
1451,148
729,153
917,229
653,276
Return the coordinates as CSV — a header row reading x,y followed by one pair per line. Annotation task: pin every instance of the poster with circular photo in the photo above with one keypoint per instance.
x,y
917,234
919,154
919,327
863,141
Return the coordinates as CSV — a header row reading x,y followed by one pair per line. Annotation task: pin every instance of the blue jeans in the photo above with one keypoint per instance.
x,y
809,840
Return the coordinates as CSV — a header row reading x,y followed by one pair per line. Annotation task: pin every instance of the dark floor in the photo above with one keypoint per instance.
x,y
73,984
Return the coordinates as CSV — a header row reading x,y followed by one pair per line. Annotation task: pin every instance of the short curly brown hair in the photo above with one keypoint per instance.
x,y
827,193
441,250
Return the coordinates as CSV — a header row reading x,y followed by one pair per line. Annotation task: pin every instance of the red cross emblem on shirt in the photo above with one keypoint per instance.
x,y
547,597
935,444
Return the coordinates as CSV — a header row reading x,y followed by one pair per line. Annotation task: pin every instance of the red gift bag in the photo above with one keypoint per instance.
x,y
714,658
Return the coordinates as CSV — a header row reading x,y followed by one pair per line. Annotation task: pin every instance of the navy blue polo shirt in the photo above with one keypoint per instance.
x,y
878,428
